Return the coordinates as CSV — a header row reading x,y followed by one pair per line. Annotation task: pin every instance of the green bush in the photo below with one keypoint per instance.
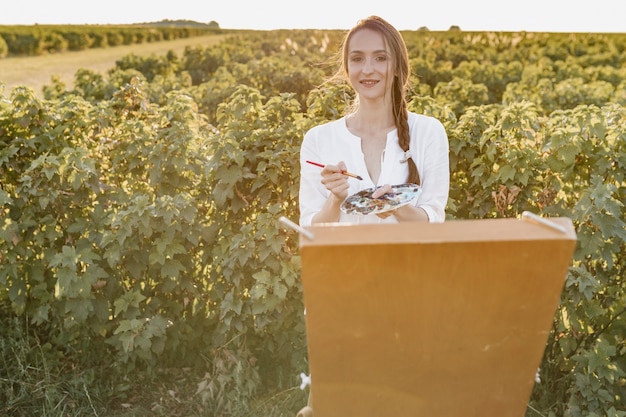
x,y
37,39
78,40
23,43
55,42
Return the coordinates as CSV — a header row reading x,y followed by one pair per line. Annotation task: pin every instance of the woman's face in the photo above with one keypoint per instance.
x,y
369,65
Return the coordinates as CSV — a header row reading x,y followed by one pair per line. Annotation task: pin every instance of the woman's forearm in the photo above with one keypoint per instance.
x,y
411,213
330,212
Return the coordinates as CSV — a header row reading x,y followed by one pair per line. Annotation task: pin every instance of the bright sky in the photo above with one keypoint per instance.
x,y
469,15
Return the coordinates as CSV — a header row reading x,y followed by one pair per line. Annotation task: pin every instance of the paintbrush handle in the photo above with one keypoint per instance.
x,y
349,174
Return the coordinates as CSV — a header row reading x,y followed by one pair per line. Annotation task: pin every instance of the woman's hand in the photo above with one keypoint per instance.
x,y
379,192
335,181
405,213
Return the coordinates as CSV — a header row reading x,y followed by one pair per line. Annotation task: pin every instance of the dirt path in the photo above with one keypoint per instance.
x,y
35,72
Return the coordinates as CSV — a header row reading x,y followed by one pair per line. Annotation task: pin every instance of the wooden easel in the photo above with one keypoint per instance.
x,y
436,320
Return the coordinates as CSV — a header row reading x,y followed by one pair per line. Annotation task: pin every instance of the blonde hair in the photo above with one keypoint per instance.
x,y
401,80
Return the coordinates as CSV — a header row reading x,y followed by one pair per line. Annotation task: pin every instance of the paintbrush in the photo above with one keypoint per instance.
x,y
349,174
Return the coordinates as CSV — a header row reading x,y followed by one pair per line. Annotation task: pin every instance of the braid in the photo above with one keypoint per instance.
x,y
404,139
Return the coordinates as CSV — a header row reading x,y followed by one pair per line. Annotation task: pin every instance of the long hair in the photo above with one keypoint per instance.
x,y
401,80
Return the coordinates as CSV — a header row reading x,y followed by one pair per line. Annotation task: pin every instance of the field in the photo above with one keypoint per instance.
x,y
143,269
37,71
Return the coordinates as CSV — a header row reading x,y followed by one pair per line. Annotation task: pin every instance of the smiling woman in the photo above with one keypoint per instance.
x,y
37,71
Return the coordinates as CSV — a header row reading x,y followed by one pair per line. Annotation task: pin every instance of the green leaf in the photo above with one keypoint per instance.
x,y
67,258
64,286
171,268
264,276
131,299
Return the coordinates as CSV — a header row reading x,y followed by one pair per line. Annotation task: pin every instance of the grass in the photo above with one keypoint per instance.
x,y
36,71
39,380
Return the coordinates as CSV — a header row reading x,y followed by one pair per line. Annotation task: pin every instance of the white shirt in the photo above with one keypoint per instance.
x,y
332,142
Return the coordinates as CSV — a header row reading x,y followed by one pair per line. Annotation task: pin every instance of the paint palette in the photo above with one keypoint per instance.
x,y
362,203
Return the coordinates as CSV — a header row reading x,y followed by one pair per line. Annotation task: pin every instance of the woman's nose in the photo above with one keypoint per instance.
x,y
368,66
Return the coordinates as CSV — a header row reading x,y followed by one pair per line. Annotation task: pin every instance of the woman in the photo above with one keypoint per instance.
x,y
379,140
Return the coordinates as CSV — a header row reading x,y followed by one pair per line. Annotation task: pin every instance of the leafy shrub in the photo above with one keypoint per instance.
x,y
149,66
78,40
114,38
460,93
54,42
21,43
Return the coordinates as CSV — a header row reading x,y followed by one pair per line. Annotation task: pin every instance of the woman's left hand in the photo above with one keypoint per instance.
x,y
404,213
379,192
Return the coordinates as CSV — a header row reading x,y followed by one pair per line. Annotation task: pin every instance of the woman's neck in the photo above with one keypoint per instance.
x,y
371,119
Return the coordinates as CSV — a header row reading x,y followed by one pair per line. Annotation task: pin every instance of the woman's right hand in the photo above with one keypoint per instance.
x,y
335,181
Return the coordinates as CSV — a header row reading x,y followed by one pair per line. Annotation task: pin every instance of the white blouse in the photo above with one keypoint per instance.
x,y
332,142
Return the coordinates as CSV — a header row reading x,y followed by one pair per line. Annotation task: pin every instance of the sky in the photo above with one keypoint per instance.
x,y
469,15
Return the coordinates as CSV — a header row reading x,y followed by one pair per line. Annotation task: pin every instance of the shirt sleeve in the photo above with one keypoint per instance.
x,y
313,194
433,166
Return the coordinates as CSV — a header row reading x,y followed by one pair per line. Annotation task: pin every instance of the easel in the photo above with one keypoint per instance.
x,y
436,320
